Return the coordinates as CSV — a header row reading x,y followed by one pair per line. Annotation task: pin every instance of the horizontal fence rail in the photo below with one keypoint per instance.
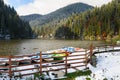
x,y
106,48
37,63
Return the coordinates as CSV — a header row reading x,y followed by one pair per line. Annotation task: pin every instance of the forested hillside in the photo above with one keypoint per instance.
x,y
11,26
31,17
96,24
59,14
99,23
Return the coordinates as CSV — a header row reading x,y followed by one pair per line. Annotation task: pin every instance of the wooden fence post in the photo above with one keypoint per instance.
x,y
40,63
66,63
91,52
86,58
10,66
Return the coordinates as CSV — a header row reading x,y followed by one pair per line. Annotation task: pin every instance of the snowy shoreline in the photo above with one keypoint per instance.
x,y
108,66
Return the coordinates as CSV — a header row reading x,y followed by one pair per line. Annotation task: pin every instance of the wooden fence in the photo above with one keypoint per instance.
x,y
106,48
38,63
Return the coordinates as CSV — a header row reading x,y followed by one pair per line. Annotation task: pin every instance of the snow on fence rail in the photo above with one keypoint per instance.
x,y
38,63
106,48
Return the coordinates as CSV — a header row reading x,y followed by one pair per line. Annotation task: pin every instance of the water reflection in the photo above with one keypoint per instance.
x,y
13,47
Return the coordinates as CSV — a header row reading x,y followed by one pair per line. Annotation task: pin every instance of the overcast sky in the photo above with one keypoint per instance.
x,y
25,7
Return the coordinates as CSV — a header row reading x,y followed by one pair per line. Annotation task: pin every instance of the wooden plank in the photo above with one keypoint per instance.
x,y
4,66
41,63
25,69
86,56
10,67
53,65
25,74
76,66
24,65
19,56
66,59
4,62
4,72
63,68
76,59
76,62
107,51
91,52
54,70
76,55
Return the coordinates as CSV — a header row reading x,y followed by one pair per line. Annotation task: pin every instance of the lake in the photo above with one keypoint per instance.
x,y
29,46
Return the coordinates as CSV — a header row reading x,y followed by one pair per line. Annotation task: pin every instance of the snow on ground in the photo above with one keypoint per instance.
x,y
108,66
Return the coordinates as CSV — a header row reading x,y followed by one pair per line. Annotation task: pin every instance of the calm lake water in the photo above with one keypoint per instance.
x,y
29,46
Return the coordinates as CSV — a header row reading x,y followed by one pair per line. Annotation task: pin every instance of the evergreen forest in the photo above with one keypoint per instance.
x,y
11,26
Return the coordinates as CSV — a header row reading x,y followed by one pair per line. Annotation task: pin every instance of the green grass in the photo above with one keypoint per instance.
x,y
72,76
116,38
36,75
105,79
88,79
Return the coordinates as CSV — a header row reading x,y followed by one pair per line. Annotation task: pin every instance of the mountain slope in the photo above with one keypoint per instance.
x,y
97,24
61,13
11,25
101,23
30,17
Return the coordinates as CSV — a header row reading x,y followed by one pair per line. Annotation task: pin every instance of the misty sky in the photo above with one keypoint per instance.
x,y
25,7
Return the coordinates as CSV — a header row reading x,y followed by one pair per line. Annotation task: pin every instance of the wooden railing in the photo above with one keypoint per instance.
x,y
17,64
38,63
106,48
